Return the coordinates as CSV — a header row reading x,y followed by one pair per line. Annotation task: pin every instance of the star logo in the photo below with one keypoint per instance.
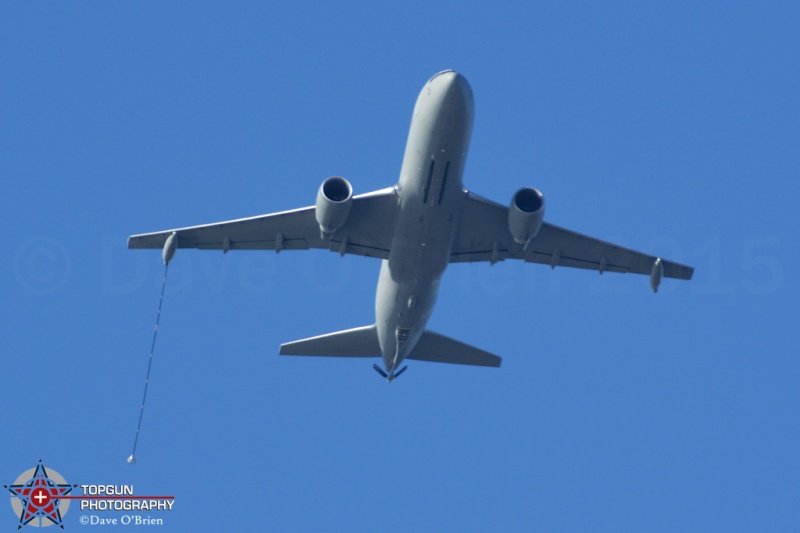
x,y
36,497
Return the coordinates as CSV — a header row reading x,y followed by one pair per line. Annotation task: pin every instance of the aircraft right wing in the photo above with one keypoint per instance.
x,y
483,235
367,230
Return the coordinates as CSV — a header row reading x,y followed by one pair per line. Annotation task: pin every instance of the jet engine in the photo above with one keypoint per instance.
x,y
334,198
525,215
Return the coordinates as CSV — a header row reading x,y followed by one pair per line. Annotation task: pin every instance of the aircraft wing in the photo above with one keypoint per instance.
x,y
367,231
483,235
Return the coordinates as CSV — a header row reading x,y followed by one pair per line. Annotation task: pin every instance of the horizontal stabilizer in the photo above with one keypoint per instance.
x,y
440,349
357,342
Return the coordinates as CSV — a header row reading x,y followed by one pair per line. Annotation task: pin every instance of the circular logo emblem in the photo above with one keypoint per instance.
x,y
36,497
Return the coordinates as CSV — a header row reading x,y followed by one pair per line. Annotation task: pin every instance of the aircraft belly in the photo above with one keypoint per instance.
x,y
430,206
402,309
409,280
431,199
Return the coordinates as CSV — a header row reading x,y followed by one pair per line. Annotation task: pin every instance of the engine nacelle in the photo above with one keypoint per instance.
x,y
334,198
525,215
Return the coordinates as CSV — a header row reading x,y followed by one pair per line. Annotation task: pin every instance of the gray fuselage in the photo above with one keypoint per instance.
x,y
431,197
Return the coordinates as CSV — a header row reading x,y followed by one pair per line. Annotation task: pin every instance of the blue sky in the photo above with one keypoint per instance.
x,y
672,128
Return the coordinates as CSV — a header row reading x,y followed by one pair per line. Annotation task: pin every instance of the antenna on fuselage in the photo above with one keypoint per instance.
x,y
168,252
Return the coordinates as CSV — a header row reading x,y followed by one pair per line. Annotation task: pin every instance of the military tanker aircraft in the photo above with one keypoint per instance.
x,y
416,228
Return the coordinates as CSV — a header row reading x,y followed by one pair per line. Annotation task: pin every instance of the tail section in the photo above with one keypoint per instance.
x,y
356,342
363,342
389,375
440,349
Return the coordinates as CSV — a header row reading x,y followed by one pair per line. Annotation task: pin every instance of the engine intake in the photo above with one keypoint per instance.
x,y
525,215
334,198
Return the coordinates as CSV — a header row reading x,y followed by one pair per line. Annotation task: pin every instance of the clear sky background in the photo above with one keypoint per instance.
x,y
672,128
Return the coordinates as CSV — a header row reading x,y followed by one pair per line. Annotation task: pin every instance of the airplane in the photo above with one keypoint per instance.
x,y
417,228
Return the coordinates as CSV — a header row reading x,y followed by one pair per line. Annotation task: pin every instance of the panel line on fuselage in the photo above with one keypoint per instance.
x,y
444,182
427,188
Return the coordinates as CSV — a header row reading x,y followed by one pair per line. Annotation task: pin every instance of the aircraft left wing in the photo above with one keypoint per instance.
x,y
367,231
483,235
